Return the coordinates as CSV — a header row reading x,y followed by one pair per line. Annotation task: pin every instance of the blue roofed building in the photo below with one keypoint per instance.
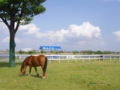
x,y
48,48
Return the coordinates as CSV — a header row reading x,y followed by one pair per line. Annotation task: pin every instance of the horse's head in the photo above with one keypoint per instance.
x,y
23,67
22,71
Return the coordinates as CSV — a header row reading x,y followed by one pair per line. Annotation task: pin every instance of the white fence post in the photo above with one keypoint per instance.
x,y
89,58
110,58
95,59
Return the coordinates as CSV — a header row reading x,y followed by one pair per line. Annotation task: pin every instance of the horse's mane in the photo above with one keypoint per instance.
x,y
24,61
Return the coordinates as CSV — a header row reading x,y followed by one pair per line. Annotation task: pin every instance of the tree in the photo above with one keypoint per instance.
x,y
75,52
52,51
32,52
15,13
42,51
21,52
98,52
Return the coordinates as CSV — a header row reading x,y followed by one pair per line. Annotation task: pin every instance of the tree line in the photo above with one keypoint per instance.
x,y
72,52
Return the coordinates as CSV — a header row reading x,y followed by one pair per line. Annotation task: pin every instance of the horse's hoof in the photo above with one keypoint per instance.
x,y
20,75
43,77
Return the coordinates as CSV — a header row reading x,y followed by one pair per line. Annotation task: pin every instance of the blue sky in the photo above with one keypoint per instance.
x,y
71,24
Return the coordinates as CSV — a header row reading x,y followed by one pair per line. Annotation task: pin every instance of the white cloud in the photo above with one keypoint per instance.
x,y
30,28
81,32
85,30
7,39
26,49
117,34
84,35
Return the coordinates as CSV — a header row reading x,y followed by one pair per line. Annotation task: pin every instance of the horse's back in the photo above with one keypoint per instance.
x,y
41,59
37,60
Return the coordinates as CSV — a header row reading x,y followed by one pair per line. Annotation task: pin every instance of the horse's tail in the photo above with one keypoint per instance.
x,y
45,65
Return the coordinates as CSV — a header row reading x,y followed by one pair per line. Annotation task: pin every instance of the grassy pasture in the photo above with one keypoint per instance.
x,y
87,75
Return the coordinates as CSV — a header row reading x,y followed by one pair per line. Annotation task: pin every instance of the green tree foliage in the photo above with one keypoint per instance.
x,y
107,52
32,52
89,52
96,52
22,52
52,51
42,51
28,52
75,52
15,13
61,51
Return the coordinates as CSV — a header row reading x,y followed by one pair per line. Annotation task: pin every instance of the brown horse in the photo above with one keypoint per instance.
x,y
34,61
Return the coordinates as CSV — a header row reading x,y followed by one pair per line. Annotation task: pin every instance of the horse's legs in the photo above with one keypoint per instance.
x,y
44,72
29,70
36,71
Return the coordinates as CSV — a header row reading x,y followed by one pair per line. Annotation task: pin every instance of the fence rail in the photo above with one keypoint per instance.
x,y
69,57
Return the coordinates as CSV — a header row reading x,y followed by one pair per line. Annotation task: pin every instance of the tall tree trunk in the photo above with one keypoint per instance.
x,y
12,50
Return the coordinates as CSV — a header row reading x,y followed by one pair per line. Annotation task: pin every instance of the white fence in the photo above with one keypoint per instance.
x,y
70,57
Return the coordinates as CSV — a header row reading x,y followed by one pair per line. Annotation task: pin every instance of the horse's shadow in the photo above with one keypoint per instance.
x,y
36,76
32,76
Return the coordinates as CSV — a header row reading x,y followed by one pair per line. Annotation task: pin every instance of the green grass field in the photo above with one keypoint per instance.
x,y
93,75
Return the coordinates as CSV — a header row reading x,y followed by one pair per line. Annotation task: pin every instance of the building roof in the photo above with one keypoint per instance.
x,y
50,48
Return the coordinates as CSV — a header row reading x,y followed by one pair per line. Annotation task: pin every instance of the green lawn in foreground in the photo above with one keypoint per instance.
x,y
93,75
